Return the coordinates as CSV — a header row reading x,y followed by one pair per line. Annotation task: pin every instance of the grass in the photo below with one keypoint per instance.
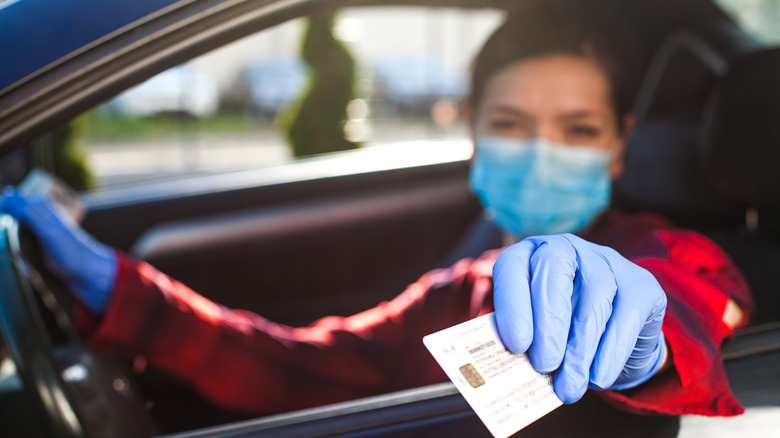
x,y
103,126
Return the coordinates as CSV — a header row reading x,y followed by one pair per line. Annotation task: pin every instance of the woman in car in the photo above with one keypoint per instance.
x,y
629,302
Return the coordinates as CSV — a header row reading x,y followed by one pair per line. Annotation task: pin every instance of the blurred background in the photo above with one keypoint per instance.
x,y
236,107
363,77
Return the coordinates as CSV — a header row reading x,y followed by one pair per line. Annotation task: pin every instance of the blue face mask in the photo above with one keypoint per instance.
x,y
532,187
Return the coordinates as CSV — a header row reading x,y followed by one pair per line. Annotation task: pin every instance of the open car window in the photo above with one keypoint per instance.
x,y
236,107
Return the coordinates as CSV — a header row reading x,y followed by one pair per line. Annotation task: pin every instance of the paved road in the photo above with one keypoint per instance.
x,y
135,160
124,162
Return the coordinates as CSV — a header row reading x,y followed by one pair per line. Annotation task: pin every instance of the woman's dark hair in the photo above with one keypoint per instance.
x,y
545,33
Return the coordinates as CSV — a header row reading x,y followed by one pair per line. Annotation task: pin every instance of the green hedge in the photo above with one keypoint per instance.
x,y
315,124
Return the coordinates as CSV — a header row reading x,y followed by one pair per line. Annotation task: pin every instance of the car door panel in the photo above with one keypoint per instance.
x,y
300,250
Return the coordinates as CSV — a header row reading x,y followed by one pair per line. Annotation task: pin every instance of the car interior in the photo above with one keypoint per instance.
x,y
701,154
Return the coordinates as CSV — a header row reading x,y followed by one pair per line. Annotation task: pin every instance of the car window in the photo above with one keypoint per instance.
x,y
252,103
758,17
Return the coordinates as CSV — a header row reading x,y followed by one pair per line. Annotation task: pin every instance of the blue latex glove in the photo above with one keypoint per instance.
x,y
87,266
581,310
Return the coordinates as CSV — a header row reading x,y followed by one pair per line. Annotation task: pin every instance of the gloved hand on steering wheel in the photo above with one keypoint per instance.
x,y
581,310
87,266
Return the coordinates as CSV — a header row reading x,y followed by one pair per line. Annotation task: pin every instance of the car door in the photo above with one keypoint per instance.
x,y
212,195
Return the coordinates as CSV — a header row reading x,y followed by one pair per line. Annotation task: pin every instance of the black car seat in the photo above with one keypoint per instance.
x,y
739,152
706,153
662,171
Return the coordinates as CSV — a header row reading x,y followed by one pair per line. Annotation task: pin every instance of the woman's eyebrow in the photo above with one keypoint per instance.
x,y
507,109
579,115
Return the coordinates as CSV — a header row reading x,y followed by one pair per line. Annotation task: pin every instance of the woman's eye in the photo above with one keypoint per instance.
x,y
503,125
584,131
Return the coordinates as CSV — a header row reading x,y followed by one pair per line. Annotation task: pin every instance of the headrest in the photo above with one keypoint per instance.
x,y
662,174
739,148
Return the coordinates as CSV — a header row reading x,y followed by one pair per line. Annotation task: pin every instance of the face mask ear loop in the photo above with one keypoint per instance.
x,y
626,127
617,152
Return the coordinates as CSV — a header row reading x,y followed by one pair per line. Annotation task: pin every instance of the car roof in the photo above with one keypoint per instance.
x,y
35,33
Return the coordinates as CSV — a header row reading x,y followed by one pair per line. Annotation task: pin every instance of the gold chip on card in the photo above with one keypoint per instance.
x,y
472,375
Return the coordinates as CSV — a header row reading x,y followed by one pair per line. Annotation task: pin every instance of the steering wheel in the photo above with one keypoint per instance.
x,y
81,392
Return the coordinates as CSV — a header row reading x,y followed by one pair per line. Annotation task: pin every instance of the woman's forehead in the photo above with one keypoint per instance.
x,y
550,84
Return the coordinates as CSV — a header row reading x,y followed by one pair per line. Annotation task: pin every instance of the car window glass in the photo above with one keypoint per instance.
x,y
252,103
759,17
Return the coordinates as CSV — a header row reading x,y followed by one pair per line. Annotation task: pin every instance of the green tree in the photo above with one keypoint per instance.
x,y
315,124
62,153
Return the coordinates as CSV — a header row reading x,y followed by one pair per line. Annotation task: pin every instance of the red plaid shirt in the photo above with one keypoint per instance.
x,y
245,362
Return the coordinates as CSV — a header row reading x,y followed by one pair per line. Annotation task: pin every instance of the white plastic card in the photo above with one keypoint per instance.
x,y
39,181
504,390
